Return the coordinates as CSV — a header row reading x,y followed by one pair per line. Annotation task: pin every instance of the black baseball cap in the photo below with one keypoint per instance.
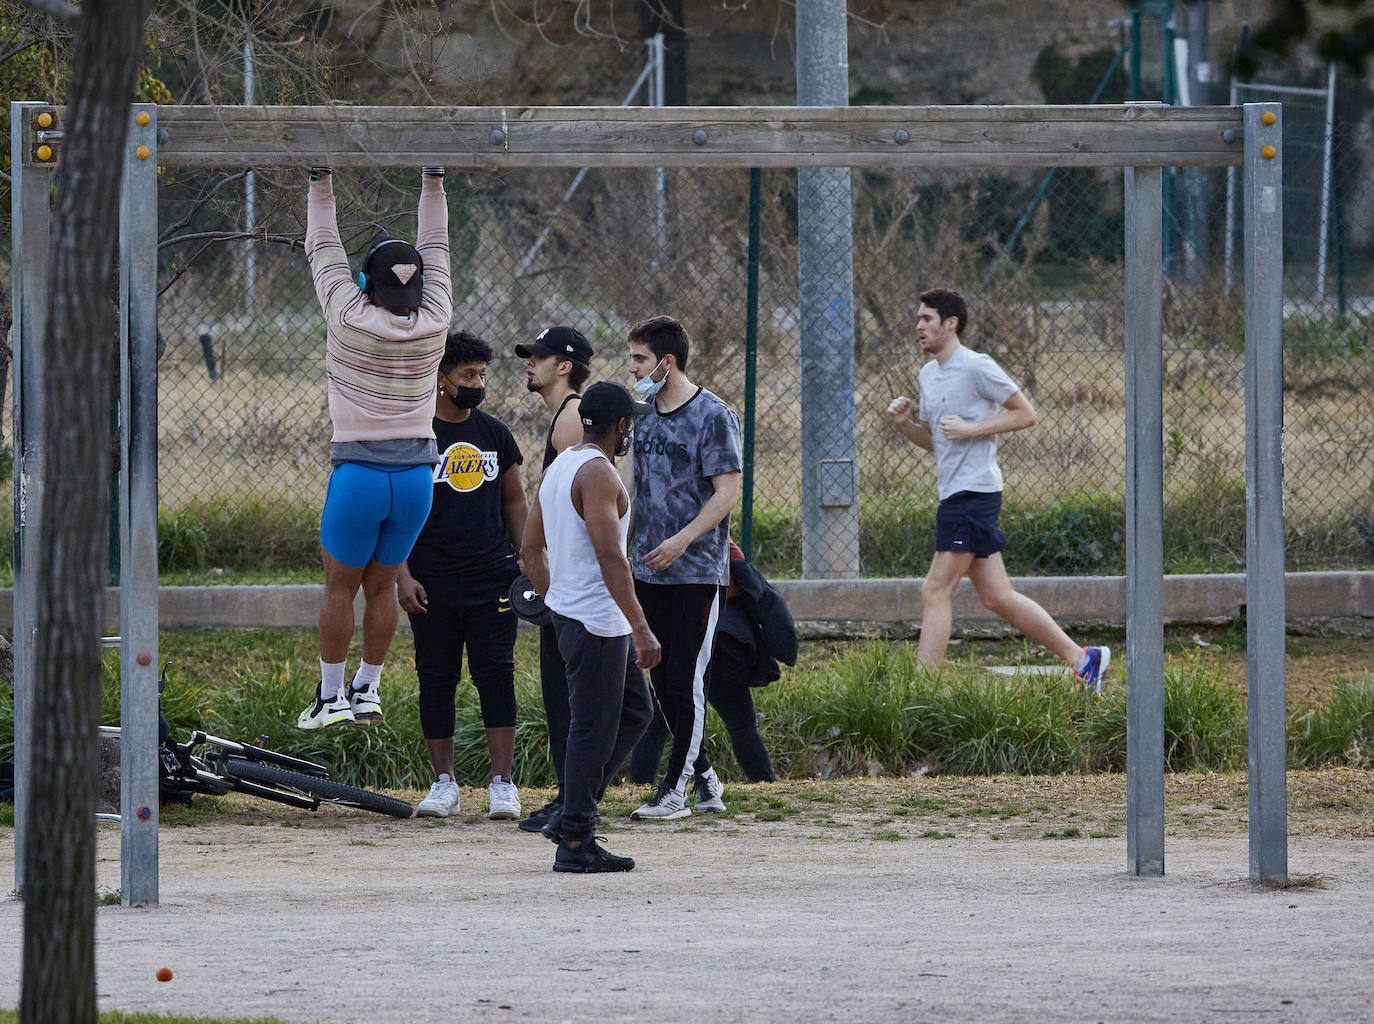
x,y
608,402
395,271
563,342
527,602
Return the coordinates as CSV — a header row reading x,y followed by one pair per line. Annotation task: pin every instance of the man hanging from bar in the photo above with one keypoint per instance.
x,y
385,333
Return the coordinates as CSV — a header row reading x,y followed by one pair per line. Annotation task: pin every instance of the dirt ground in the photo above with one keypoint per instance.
x,y
863,900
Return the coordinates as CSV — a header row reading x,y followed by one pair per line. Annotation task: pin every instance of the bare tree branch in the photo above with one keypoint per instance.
x,y
59,9
199,204
293,241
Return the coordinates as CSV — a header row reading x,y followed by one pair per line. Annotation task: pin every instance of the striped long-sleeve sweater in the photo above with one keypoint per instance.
x,y
381,366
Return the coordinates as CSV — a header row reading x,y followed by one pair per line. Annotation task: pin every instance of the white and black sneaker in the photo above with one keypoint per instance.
x,y
665,805
323,713
443,800
365,703
708,790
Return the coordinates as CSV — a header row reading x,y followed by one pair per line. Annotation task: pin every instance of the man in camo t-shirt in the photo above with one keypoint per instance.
x,y
687,461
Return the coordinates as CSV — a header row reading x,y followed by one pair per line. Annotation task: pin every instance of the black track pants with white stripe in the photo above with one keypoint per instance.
x,y
683,616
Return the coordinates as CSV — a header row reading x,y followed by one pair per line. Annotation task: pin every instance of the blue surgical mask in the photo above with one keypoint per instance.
x,y
648,387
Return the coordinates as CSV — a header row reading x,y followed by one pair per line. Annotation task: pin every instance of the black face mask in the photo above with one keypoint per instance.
x,y
469,398
627,440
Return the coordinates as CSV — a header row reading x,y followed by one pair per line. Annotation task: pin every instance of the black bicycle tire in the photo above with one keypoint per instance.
x,y
322,789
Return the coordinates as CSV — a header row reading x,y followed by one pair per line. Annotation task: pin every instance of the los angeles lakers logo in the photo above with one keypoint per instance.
x,y
465,467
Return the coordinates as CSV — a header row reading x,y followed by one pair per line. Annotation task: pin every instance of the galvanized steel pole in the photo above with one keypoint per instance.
x,y
751,358
31,222
1144,522
1264,584
138,623
830,512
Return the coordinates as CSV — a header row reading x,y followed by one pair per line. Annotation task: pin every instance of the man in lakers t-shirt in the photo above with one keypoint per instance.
x,y
455,584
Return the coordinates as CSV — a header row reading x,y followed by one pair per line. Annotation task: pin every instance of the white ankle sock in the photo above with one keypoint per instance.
x,y
331,679
368,677
444,777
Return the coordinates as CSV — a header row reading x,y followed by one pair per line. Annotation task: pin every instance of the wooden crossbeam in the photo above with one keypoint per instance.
x,y
1146,135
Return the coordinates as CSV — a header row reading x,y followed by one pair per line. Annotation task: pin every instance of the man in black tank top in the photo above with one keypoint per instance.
x,y
556,367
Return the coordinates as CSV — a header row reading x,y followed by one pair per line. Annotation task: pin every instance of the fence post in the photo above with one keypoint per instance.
x,y
1264,595
138,624
31,224
1144,522
825,256
751,354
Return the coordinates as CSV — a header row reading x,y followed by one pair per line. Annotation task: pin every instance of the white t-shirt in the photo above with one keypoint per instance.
x,y
973,387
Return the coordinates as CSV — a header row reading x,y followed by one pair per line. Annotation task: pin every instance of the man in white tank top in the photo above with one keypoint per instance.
x,y
574,551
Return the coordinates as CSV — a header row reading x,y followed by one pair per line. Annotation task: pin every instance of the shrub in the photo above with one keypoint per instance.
x,y
242,533
1079,533
1339,731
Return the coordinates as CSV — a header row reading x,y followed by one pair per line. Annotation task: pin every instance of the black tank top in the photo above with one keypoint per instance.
x,y
549,453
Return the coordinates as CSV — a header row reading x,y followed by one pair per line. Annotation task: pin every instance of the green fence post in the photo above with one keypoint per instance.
x,y
751,354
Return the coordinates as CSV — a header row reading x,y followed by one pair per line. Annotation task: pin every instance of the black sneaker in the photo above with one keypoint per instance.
x,y
536,821
553,828
589,858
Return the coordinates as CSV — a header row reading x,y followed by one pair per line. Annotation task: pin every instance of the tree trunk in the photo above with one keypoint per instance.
x,y
59,853
6,356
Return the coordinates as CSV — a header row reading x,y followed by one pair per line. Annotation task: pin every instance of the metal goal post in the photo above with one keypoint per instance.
x,y
1141,138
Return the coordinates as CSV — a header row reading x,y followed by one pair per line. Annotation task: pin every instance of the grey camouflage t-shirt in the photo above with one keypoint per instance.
x,y
676,454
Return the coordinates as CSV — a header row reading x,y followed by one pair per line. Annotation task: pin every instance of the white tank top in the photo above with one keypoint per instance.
x,y
576,587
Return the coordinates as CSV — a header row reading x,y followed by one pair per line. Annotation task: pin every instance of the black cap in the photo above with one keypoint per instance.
x,y
563,342
395,272
607,402
527,602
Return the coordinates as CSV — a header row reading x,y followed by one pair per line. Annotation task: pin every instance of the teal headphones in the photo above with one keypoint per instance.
x,y
364,279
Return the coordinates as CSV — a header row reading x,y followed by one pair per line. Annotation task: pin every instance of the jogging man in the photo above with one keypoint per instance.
x,y
687,461
454,586
966,400
574,552
556,367
385,332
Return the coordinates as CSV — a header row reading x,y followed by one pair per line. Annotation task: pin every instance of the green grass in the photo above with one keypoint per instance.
x,y
861,708
1339,731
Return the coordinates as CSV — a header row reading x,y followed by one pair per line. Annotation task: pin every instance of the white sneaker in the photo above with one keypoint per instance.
x,y
366,703
322,713
664,805
443,800
503,799
708,790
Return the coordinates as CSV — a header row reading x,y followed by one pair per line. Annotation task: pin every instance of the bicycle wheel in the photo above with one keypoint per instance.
x,y
322,789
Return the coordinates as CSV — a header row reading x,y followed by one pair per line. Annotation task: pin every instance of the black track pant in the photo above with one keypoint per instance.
x,y
683,616
609,706
735,705
478,619
553,684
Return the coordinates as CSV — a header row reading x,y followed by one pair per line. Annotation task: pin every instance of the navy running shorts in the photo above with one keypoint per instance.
x,y
967,521
374,513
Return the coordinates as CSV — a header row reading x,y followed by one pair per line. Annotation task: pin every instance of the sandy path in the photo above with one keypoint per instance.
x,y
406,921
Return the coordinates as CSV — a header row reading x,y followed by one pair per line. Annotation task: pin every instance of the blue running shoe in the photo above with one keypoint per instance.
x,y
1092,673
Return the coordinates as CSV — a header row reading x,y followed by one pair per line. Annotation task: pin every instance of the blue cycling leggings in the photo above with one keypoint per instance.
x,y
374,513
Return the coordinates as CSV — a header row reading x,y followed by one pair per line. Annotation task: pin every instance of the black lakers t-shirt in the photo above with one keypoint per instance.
x,y
465,534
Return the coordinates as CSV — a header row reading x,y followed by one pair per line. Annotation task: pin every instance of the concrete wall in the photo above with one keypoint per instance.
x,y
830,607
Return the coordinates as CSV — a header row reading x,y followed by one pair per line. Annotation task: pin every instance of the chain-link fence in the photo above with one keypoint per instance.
x,y
244,428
